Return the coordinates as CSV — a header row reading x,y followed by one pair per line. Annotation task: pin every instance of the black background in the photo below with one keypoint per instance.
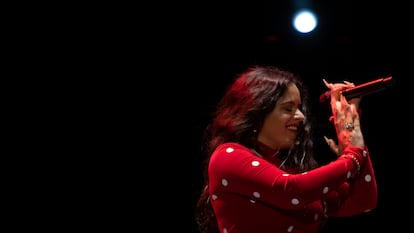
x,y
351,43
131,88
170,64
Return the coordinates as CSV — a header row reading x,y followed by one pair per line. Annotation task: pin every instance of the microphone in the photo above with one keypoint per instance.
x,y
361,90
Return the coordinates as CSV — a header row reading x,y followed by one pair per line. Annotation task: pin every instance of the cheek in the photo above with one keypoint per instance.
x,y
275,124
277,130
279,127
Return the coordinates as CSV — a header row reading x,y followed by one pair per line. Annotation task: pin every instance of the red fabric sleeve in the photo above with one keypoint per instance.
x,y
235,169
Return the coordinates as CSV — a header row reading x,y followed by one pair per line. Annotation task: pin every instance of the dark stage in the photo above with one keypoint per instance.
x,y
350,44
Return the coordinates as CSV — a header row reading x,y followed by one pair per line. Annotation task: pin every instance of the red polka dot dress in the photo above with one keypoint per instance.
x,y
250,193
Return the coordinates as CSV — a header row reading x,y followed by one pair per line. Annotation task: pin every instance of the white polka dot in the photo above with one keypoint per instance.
x,y
348,174
214,197
295,201
224,230
229,150
285,174
364,153
255,163
290,229
316,216
256,194
224,182
252,201
325,190
368,178
304,173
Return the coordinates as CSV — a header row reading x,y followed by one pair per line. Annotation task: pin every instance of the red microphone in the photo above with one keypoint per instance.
x,y
361,90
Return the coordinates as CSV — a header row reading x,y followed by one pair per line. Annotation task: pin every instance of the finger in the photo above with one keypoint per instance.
x,y
336,90
328,85
355,116
355,102
338,108
349,84
332,145
357,123
326,139
349,119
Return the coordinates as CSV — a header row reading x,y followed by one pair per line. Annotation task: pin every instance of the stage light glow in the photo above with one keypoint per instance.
x,y
305,21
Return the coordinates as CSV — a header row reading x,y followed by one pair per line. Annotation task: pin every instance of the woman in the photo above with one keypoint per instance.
x,y
261,174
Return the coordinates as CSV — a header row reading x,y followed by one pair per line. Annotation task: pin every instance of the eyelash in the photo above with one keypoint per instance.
x,y
293,110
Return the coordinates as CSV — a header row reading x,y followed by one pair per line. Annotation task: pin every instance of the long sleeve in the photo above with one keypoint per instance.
x,y
357,196
244,187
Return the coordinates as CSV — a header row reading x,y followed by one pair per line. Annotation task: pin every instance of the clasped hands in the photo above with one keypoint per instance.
x,y
345,118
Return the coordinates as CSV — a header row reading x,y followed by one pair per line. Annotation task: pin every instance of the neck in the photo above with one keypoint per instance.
x,y
266,150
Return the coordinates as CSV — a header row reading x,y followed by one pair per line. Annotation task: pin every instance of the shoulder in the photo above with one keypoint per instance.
x,y
228,150
232,155
231,146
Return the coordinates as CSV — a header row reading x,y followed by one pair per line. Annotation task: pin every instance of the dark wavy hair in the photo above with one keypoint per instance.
x,y
238,116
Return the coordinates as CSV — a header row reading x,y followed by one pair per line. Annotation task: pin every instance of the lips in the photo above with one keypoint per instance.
x,y
292,127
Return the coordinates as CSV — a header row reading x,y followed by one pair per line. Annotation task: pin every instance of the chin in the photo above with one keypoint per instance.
x,y
289,144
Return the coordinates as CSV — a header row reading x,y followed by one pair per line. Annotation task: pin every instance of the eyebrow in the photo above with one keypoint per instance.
x,y
290,102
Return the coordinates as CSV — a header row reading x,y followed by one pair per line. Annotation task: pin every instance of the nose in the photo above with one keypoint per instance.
x,y
299,115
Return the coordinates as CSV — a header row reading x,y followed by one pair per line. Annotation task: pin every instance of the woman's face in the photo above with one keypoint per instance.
x,y
280,127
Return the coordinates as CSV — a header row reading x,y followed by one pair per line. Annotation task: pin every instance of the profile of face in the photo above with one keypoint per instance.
x,y
280,127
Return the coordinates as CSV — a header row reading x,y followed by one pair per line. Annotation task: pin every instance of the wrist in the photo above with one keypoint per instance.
x,y
357,154
355,161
